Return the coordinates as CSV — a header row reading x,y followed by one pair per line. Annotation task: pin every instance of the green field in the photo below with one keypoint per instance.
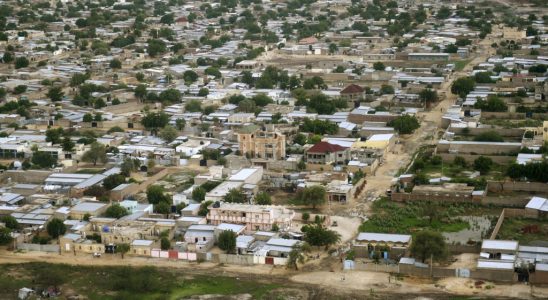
x,y
124,282
392,217
516,229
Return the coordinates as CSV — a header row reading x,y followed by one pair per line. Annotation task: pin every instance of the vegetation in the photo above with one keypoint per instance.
x,y
263,198
227,241
391,217
483,164
318,235
116,211
534,171
463,86
489,136
56,228
156,194
96,153
405,124
493,104
235,196
124,282
319,127
429,244
313,196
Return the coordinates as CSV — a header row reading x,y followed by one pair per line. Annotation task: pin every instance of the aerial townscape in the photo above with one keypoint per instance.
x,y
274,149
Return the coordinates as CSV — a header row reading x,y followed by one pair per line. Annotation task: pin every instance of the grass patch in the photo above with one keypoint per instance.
x,y
116,282
392,217
460,64
523,230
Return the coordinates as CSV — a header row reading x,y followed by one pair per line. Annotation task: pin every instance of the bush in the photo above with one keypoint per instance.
x,y
489,136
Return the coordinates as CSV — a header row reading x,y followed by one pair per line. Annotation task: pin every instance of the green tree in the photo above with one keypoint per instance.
x,y
162,208
428,96
198,194
56,228
170,96
314,195
68,144
193,106
156,47
96,153
227,241
5,236
87,118
54,135
113,181
300,139
156,194
168,134
122,248
493,104
405,124
165,244
140,92
180,124
483,77
204,210
263,198
190,76
333,48
297,255
443,13
463,86
483,164
235,196
154,121
387,89
379,66
429,244
55,94
203,92
43,159
10,222
318,235
20,89
21,62
115,64
116,211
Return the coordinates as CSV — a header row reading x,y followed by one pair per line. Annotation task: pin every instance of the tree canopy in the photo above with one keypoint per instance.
x,y
405,124
428,244
116,211
318,235
313,195
227,241
56,228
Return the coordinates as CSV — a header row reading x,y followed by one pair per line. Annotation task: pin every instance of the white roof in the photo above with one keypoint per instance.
x,y
384,237
232,227
381,137
541,267
538,203
499,244
489,264
243,174
141,243
281,242
88,206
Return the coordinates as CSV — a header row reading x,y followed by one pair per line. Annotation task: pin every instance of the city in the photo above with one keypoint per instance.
x,y
274,149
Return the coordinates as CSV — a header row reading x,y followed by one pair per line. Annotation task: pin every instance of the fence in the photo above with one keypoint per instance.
x,y
469,158
38,247
517,186
511,213
435,272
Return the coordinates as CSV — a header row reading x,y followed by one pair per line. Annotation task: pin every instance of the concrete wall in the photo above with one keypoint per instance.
x,y
478,148
497,226
236,259
505,132
38,247
28,176
517,186
441,197
498,159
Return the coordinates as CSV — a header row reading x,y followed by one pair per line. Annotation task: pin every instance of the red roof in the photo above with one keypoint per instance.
x,y
181,20
353,89
323,147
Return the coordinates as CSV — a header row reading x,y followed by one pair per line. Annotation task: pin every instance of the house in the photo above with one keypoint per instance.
x,y
253,217
93,209
278,247
141,247
199,238
192,147
74,243
324,153
391,244
236,228
353,92
257,143
538,206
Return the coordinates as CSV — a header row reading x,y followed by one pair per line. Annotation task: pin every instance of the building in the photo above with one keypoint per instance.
x,y
264,144
324,153
353,92
92,209
391,244
254,217
539,206
428,56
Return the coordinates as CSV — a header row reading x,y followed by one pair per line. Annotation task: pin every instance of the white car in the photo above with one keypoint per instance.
x,y
96,254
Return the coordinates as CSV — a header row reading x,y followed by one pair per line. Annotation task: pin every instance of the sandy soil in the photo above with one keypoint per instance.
x,y
465,260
